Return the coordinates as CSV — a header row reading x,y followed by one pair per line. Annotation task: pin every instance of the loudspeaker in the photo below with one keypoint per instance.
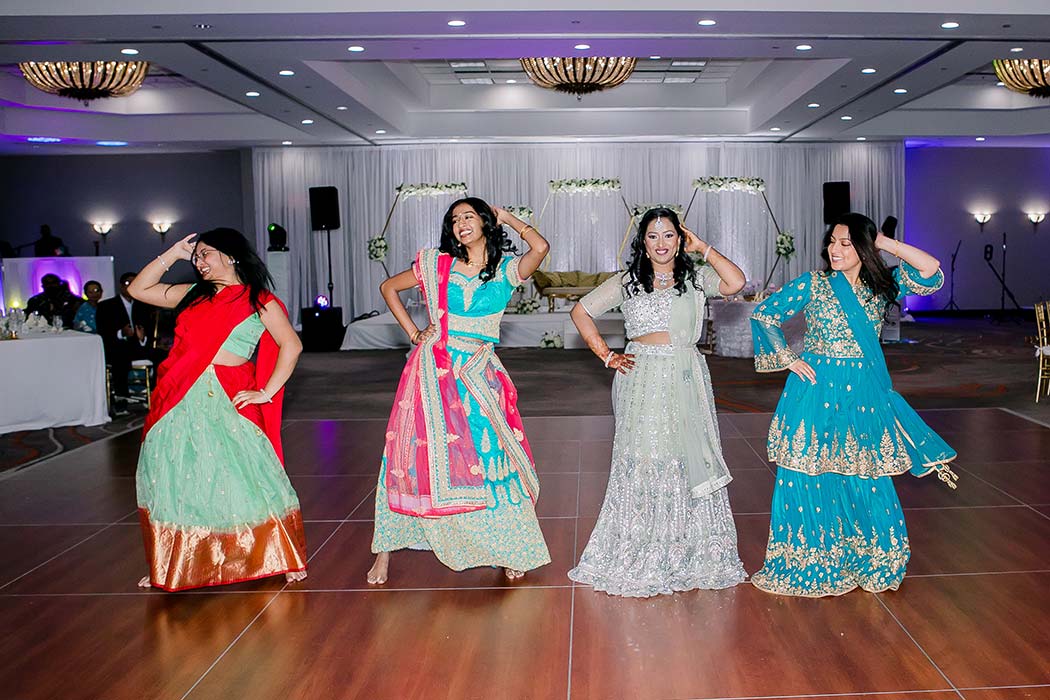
x,y
324,208
323,329
889,227
836,201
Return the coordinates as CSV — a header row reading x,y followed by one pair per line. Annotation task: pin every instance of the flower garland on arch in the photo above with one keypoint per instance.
x,y
522,212
638,210
750,185
430,189
582,186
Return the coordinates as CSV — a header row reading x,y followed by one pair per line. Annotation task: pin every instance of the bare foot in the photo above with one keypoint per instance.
x,y
293,576
144,582
514,574
377,574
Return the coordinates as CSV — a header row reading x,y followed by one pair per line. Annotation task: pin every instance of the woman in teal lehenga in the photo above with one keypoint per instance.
x,y
840,432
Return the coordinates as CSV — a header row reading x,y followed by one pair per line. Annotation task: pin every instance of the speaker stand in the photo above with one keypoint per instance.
x,y
951,305
328,234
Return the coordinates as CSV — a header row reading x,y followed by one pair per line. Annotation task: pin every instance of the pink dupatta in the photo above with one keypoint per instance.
x,y
432,467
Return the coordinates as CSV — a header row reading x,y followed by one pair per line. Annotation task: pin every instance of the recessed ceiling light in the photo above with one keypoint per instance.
x,y
286,72
466,64
655,58
679,79
803,47
475,81
900,91
707,23
582,47
113,144
868,71
456,23
774,128
1016,49
846,118
862,138
251,93
979,138
679,64
286,143
202,25
355,49
307,121
380,131
813,105
342,108
43,139
130,52
950,25
511,81
1000,84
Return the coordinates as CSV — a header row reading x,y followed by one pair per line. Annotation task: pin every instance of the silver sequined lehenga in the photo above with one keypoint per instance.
x,y
665,524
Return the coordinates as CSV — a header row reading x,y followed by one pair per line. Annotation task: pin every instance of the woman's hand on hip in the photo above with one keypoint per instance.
x,y
621,363
247,398
804,371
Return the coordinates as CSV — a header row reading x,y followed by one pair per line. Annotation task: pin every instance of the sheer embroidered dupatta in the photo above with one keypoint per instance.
x,y
199,334
927,451
432,467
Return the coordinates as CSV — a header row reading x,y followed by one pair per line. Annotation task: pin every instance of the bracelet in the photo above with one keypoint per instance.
x,y
527,227
166,266
415,336
608,358
269,399
708,251
898,250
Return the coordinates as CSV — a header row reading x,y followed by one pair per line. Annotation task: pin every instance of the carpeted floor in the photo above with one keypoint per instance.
x,y
944,364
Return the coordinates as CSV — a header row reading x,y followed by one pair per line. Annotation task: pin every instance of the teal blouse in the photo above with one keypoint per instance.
x,y
245,337
475,308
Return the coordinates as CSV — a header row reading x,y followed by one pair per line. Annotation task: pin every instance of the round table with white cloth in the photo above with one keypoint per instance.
x,y
52,379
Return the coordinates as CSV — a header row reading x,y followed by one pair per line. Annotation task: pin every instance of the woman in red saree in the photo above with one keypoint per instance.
x,y
215,504
457,476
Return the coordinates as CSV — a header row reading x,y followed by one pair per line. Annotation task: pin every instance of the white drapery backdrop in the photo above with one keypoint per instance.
x,y
585,230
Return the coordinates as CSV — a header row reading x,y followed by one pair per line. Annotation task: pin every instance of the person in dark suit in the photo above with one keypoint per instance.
x,y
126,327
49,245
54,300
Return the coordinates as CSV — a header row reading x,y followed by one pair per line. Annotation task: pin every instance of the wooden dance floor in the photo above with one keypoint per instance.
x,y
972,619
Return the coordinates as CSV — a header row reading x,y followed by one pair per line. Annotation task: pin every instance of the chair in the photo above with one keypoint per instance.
x,y
1042,345
146,368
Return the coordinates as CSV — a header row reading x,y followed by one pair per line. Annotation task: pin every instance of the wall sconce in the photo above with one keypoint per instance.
x,y
161,227
982,218
102,227
1036,217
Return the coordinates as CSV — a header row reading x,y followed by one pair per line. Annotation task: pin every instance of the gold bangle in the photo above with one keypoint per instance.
x,y
527,227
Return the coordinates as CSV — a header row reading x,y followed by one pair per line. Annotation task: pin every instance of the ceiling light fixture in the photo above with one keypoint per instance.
x,y
202,25
846,118
1000,84
803,47
774,128
579,76
511,81
86,80
707,23
286,143
979,138
950,25
130,52
457,23
692,64
1016,49
307,121
862,138
655,58
813,105
111,144
582,47
380,131
286,72
355,49
342,108
868,71
900,91
466,64
1029,76
251,93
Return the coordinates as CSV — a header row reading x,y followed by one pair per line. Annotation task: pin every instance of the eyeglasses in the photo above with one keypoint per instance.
x,y
196,257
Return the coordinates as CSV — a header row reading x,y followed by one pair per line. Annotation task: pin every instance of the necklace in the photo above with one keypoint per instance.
x,y
663,278
474,264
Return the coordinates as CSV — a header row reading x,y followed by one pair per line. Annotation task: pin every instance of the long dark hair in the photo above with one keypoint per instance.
x,y
495,236
873,272
640,268
249,267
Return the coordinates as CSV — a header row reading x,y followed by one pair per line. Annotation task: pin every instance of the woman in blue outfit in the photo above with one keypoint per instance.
x,y
840,431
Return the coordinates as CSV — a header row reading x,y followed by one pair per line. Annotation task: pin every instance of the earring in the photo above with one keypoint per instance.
x,y
231,261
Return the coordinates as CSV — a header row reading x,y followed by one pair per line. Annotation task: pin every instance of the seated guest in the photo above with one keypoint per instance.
x,y
54,300
48,245
126,328
85,318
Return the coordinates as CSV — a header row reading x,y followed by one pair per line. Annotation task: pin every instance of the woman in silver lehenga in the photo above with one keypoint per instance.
x,y
665,525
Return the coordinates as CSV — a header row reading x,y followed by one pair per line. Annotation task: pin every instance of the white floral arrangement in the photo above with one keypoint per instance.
x,y
526,306
431,189
574,186
751,185
785,245
638,210
377,249
522,212
552,339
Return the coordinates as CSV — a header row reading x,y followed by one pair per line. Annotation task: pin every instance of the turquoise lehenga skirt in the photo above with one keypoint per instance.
x,y
836,522
505,534
215,503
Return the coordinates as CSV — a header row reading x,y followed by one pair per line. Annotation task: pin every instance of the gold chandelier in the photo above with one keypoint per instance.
x,y
86,80
1030,76
578,76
